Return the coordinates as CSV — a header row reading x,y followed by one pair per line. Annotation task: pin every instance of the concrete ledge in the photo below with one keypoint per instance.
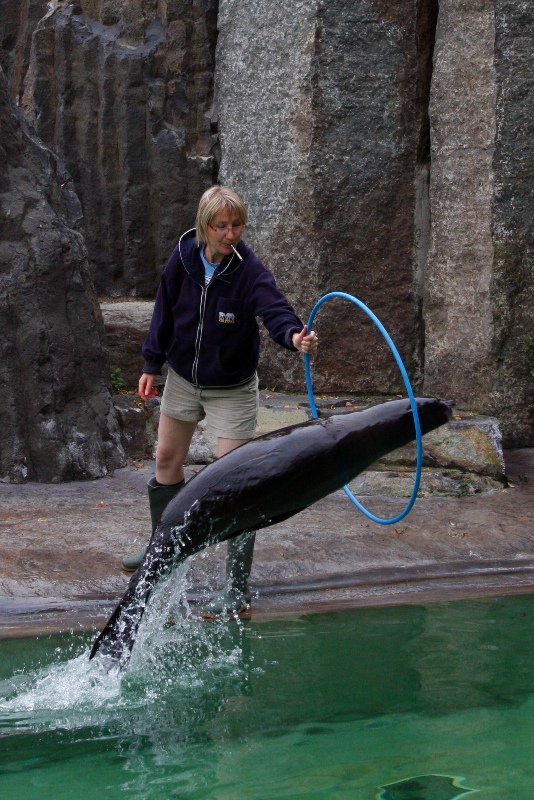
x,y
376,586
62,546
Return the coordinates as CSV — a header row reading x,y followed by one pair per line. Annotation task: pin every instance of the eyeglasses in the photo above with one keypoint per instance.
x,y
222,228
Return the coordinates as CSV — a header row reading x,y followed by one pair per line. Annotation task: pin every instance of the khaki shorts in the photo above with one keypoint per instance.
x,y
230,413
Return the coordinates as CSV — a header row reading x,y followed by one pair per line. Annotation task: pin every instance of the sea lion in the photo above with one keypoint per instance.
x,y
265,481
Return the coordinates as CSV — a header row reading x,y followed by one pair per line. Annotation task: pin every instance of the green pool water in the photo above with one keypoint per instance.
x,y
406,703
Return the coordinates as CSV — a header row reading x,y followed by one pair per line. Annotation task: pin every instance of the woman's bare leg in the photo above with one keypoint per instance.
x,y
174,438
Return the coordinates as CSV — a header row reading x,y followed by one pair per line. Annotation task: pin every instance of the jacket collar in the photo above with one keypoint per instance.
x,y
190,256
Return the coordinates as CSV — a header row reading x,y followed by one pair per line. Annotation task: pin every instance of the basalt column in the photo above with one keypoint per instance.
x,y
58,421
122,90
479,300
512,288
18,20
323,119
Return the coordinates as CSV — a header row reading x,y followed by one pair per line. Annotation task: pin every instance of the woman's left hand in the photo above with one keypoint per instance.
x,y
305,342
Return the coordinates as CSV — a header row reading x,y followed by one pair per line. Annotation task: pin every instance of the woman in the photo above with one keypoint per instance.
x,y
204,325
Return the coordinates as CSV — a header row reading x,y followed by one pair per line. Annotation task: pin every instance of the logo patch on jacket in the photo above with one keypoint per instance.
x,y
226,317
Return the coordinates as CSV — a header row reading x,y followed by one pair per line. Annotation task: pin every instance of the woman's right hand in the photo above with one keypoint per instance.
x,y
146,386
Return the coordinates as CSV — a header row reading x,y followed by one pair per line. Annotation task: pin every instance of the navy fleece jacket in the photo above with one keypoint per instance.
x,y
209,334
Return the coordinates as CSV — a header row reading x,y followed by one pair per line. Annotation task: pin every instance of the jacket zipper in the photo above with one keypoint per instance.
x,y
199,333
204,291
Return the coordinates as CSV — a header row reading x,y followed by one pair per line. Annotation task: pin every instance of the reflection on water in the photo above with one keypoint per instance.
x,y
431,787
331,705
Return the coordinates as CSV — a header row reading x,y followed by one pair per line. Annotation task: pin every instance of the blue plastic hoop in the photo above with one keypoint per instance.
x,y
418,435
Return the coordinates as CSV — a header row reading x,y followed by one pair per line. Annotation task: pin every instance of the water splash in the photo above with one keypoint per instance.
x,y
182,672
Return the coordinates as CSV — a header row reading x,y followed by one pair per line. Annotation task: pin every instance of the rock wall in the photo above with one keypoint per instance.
x,y
383,148
123,93
58,421
479,292
324,131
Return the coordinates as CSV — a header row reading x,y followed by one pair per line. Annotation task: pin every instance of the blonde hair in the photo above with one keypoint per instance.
x,y
214,200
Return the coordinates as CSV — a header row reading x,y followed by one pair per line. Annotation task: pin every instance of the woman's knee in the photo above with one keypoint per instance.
x,y
174,438
168,458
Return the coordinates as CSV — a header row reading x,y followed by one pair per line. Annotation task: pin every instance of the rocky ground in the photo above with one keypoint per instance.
x,y
62,544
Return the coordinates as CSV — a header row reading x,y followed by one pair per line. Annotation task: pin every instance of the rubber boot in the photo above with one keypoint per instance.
x,y
234,598
159,497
